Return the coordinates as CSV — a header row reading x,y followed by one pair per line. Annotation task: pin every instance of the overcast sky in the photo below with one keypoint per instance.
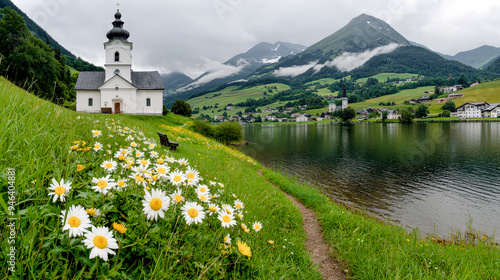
x,y
191,36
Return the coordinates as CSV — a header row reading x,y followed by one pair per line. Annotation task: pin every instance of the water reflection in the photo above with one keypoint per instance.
x,y
420,175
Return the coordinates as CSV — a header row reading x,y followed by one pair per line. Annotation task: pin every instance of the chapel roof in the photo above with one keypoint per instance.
x,y
146,80
118,33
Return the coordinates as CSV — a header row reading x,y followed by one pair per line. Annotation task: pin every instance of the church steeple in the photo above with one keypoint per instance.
x,y
118,51
118,33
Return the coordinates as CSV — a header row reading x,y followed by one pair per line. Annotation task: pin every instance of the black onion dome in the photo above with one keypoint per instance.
x,y
118,33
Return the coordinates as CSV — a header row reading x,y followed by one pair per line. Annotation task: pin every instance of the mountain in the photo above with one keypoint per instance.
x,y
264,53
412,59
362,33
40,33
174,80
493,66
348,48
478,58
240,66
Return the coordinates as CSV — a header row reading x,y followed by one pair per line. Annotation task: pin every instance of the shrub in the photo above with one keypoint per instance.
x,y
446,114
181,107
204,128
228,132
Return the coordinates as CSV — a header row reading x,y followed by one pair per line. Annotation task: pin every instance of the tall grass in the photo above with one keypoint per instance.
x,y
377,250
35,140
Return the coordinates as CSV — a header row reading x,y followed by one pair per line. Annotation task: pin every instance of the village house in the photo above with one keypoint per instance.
x,y
455,95
219,118
392,115
493,111
472,110
229,107
302,118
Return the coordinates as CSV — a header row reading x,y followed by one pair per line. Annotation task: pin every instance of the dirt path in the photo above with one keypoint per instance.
x,y
329,267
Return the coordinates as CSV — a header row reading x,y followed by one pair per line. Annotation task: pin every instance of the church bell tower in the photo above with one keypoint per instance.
x,y
118,51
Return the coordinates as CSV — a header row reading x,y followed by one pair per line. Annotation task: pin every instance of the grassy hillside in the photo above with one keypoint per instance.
x,y
382,77
42,141
231,95
36,140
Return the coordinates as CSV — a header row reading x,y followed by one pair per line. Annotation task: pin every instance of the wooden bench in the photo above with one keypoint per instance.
x,y
165,142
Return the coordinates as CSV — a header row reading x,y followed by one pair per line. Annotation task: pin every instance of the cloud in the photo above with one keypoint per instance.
x,y
294,70
350,61
216,70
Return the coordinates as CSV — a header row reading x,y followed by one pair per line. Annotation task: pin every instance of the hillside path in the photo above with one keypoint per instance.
x,y
329,267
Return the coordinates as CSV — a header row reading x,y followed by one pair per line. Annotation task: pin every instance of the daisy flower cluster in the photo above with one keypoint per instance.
x,y
132,169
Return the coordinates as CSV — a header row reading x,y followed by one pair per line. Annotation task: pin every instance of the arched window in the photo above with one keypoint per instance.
x,y
117,56
148,102
91,102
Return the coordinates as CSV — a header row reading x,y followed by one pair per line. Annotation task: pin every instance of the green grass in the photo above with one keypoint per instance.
x,y
231,95
378,250
35,140
382,77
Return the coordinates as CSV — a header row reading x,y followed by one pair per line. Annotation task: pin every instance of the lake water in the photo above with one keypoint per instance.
x,y
435,176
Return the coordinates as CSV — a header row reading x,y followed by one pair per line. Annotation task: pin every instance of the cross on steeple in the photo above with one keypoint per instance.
x,y
118,6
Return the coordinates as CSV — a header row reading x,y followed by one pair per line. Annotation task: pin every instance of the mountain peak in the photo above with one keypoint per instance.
x,y
362,33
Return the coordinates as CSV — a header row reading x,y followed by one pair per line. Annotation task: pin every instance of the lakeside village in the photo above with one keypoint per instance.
x,y
468,110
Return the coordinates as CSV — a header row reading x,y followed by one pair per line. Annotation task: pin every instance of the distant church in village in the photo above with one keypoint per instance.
x,y
119,89
332,107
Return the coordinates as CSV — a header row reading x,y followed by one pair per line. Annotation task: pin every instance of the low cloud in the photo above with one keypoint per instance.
x,y
216,70
294,70
350,61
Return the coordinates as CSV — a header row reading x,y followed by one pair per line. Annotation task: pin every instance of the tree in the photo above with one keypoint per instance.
x,y
407,115
181,107
165,110
348,114
446,114
384,116
462,80
421,111
450,106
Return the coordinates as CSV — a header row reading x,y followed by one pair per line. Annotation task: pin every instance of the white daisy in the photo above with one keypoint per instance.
x,y
121,184
193,176
177,196
133,144
229,209
155,203
238,204
152,146
96,133
101,241
144,163
154,154
76,221
257,226
109,166
138,154
162,171
177,178
227,239
140,179
97,146
213,208
203,189
103,185
226,219
204,197
193,213
171,159
183,161
60,189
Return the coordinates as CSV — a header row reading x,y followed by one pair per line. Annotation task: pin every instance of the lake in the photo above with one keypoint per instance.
x,y
437,177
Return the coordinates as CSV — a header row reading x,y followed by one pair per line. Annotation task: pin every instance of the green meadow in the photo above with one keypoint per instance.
x,y
38,140
231,95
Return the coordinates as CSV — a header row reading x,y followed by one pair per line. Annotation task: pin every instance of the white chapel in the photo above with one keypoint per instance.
x,y
119,89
